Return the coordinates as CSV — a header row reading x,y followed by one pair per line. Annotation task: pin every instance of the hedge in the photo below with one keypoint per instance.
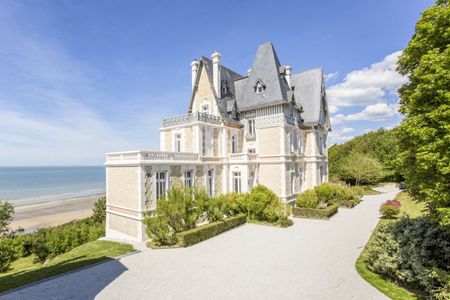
x,y
320,213
196,235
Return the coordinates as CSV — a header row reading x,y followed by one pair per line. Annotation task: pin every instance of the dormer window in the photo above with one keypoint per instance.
x,y
224,87
259,87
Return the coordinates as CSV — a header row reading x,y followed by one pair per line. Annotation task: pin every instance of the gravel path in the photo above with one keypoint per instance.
x,y
314,259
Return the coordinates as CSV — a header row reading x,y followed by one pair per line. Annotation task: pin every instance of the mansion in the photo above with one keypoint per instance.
x,y
268,127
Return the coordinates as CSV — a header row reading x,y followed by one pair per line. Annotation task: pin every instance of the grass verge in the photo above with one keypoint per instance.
x,y
384,285
23,271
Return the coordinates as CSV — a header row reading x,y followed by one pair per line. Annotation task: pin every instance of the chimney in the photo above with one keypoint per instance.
x,y
216,72
287,74
249,71
194,66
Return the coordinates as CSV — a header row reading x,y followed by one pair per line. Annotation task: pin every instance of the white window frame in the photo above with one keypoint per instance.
x,y
188,178
210,181
237,182
161,184
251,127
234,143
177,142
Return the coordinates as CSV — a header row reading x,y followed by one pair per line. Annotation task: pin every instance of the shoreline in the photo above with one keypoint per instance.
x,y
33,216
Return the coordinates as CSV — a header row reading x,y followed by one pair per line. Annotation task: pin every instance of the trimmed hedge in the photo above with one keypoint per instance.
x,y
196,235
317,213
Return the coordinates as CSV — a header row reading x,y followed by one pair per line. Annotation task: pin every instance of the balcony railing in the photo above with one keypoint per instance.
x,y
151,156
243,156
190,118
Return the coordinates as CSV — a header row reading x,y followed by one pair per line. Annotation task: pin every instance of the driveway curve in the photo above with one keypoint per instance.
x,y
313,259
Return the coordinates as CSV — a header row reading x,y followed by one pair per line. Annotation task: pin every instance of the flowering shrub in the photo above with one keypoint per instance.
x,y
393,203
389,209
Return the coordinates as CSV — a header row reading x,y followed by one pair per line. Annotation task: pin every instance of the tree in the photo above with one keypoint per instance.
x,y
424,133
362,168
99,211
6,216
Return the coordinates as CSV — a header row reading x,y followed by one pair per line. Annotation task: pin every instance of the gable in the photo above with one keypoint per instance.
x,y
204,94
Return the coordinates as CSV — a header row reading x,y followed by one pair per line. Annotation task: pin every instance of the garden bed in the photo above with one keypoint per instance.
x,y
204,232
315,213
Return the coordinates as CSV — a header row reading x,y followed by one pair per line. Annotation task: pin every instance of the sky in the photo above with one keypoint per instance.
x,y
79,78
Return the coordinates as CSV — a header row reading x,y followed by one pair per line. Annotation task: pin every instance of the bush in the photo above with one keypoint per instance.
x,y
307,199
264,205
6,215
7,254
358,190
414,252
99,211
390,209
327,192
333,193
207,231
159,231
325,213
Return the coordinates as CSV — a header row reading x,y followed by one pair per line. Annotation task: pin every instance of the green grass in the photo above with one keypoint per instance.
x,y
24,271
368,190
412,209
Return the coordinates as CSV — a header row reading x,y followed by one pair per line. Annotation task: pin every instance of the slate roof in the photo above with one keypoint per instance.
x,y
265,68
308,95
307,88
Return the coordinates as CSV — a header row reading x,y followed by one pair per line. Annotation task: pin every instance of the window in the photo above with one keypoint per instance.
x,y
237,182
234,144
161,185
251,150
224,87
320,144
251,127
210,182
178,142
293,180
205,108
259,87
188,179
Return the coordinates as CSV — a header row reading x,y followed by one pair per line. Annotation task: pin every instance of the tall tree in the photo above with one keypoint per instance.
x,y
362,168
424,132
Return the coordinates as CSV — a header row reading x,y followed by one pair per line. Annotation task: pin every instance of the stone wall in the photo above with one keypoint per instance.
x,y
123,186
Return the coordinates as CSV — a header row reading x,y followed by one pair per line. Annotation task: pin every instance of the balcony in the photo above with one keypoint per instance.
x,y
191,118
150,156
235,157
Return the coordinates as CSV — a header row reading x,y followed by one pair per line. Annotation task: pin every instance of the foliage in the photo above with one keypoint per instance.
x,y
381,145
23,271
6,215
99,211
50,242
361,168
7,254
196,235
324,213
264,205
307,199
414,252
158,230
389,211
332,193
424,133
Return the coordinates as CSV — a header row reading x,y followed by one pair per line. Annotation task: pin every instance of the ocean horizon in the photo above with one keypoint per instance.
x,y
27,185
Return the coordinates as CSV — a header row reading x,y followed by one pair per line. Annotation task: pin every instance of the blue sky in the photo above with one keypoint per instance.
x,y
80,78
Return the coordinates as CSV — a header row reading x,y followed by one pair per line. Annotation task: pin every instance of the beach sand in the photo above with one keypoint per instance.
x,y
34,216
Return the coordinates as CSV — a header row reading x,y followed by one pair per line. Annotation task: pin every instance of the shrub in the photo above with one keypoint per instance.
x,y
414,252
7,253
6,215
159,230
325,213
216,209
390,209
207,231
264,205
99,211
358,190
327,191
307,199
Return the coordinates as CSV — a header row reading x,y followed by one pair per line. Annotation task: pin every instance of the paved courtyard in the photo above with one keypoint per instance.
x,y
313,259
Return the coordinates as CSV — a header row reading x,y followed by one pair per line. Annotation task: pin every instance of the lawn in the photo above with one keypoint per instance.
x,y
413,210
24,271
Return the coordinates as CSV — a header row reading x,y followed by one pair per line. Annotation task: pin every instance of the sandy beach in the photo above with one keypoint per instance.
x,y
52,213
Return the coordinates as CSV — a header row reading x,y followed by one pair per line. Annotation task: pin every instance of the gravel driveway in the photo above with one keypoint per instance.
x,y
313,259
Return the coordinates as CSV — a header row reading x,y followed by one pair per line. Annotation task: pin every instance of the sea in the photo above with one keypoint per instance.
x,y
27,185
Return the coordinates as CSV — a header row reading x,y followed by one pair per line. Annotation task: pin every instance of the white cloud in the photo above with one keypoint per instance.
x,y
374,112
369,85
347,130
330,76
